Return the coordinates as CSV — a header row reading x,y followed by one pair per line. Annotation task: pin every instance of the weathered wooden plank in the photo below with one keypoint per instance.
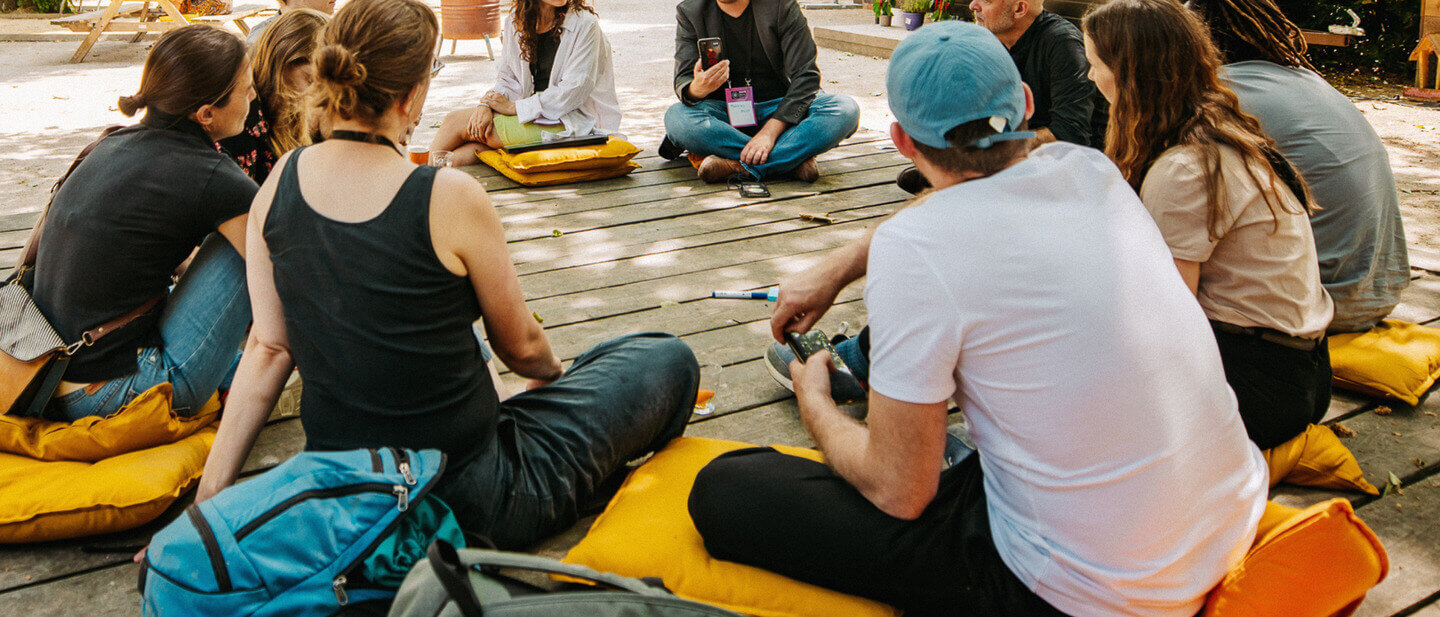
x,y
1429,610
19,221
107,591
1420,302
1406,525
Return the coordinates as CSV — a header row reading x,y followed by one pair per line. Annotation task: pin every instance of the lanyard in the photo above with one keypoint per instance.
x,y
750,54
364,138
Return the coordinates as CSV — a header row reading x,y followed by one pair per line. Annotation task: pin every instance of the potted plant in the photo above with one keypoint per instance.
x,y
882,11
914,12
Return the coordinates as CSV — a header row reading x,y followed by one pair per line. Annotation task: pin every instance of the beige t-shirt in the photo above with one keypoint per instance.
x,y
1249,276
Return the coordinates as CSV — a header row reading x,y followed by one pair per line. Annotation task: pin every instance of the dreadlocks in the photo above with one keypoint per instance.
x,y
1254,30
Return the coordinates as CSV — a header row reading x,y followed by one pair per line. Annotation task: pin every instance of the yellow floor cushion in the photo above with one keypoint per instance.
x,y
549,178
613,153
146,422
1317,458
99,475
1318,562
1395,360
646,531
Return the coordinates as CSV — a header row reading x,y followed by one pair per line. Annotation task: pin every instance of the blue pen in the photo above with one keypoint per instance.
x,y
771,294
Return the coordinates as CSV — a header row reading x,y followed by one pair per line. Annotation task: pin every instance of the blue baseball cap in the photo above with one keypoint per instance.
x,y
953,72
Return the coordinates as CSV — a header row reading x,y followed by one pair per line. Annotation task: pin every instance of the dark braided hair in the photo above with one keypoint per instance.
x,y
1254,30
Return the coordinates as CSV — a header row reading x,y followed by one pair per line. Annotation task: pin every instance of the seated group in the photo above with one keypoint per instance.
x,y
1050,291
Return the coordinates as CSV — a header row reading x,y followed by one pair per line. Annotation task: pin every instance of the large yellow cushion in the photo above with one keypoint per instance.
x,y
1395,360
548,178
144,423
1317,458
614,153
1318,562
646,531
99,475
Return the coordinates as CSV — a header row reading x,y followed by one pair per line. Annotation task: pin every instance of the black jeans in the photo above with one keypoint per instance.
x,y
795,517
1281,390
556,446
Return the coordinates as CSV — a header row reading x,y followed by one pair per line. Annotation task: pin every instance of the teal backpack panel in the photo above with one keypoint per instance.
x,y
295,540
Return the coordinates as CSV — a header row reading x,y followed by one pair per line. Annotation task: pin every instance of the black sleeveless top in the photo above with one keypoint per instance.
x,y
380,330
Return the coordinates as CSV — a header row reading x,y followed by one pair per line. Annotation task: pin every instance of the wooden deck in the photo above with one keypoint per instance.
x,y
644,252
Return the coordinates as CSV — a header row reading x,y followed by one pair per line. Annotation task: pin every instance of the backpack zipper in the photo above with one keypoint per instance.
x,y
402,462
212,548
322,493
338,583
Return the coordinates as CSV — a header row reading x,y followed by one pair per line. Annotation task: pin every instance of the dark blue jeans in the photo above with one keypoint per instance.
x,y
556,446
201,331
704,129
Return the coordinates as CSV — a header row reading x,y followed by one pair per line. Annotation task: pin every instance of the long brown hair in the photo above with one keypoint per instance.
x,y
188,68
288,42
526,16
1254,30
374,53
1168,94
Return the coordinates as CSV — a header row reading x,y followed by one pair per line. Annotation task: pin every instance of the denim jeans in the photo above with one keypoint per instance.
x,y
704,129
855,351
201,329
556,446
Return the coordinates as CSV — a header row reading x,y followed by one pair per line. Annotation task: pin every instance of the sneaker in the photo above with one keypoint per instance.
x,y
843,385
912,181
669,150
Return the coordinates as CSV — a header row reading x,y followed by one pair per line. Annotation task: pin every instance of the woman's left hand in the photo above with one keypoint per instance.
x,y
500,104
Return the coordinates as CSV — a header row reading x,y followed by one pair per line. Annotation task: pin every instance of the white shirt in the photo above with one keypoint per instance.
x,y
1118,476
581,92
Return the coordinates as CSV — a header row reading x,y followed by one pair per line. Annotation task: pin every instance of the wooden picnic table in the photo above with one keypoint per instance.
x,y
138,17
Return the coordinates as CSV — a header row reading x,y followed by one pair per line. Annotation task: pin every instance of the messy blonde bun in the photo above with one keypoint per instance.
x,y
374,52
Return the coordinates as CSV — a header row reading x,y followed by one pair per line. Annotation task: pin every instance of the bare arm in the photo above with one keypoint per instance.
x,y
805,297
894,461
234,231
1190,271
265,365
469,240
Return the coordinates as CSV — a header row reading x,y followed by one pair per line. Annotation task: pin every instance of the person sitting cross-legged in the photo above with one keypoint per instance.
x,y
1112,474
768,51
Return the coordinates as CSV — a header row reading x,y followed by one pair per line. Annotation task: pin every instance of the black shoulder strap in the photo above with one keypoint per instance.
x,y
453,576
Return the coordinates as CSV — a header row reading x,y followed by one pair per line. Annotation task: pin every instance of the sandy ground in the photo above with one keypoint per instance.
x,y
49,109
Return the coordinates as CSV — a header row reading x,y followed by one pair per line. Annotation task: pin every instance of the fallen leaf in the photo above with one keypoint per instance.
x,y
1397,434
877,94
1383,411
1342,430
1419,462
816,218
555,233
669,303
538,318
1430,413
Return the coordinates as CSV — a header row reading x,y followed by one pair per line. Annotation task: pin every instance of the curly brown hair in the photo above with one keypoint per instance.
x,y
526,16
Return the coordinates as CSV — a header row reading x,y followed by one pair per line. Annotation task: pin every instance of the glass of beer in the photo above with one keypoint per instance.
x,y
419,155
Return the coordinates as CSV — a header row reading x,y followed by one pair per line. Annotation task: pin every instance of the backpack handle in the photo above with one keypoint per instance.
x,y
488,559
454,577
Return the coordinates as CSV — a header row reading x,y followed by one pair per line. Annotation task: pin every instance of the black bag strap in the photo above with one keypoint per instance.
x,y
454,577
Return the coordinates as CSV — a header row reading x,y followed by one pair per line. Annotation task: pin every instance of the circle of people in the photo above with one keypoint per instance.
x,y
1131,241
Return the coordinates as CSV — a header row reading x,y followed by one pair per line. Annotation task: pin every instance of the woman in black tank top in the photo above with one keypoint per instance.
x,y
368,272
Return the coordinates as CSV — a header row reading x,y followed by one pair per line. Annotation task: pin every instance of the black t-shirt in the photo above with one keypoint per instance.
x,y
1051,59
740,44
544,59
121,224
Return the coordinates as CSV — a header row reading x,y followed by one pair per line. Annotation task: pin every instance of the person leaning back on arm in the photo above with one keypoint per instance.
x,y
132,213
368,272
769,62
1032,290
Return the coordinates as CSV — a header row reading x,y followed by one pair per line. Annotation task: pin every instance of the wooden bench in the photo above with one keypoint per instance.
x,y
140,17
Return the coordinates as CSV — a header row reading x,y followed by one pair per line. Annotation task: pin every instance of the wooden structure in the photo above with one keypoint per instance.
x,y
1427,54
140,17
643,252
469,20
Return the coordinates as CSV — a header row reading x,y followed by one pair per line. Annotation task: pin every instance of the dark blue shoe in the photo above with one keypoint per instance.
x,y
844,387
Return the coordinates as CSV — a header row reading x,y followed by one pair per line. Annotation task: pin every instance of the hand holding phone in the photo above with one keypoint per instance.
x,y
844,387
710,53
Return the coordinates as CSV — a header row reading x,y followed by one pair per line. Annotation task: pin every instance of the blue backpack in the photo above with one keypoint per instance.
x,y
320,531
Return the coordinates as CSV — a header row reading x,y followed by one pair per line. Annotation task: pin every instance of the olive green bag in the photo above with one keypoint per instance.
x,y
468,583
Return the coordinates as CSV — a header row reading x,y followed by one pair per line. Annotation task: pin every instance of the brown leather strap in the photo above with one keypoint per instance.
x,y
89,337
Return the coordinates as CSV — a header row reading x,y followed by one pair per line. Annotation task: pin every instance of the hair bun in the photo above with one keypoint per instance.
x,y
128,105
338,65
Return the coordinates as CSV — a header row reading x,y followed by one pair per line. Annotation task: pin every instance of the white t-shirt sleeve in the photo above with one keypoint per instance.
x,y
914,332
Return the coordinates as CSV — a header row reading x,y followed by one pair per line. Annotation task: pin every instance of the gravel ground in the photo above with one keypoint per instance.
x,y
51,108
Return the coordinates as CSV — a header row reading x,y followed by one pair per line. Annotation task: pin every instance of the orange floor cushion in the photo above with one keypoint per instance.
x,y
1316,562
646,531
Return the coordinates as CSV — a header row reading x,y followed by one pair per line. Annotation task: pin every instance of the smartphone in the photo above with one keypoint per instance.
x,y
753,190
709,52
844,387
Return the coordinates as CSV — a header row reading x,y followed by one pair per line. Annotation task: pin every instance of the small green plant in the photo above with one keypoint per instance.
x,y
882,7
940,10
915,6
43,6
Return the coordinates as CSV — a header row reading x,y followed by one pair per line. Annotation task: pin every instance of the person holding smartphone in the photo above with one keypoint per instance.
x,y
759,110
556,80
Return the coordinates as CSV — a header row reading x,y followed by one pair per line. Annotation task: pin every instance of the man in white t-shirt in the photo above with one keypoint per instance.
x,y
1113,474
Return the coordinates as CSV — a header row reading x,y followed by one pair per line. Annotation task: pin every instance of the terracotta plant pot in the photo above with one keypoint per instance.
x,y
469,19
913,21
885,20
